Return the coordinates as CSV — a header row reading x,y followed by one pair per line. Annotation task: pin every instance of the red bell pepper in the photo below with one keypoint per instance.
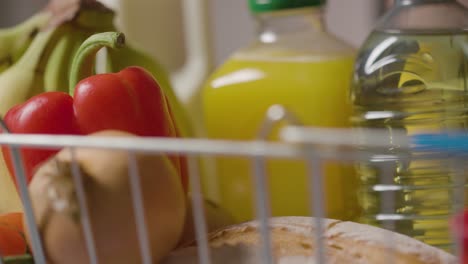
x,y
49,113
460,229
130,100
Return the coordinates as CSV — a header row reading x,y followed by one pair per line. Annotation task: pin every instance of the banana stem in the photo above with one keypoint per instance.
x,y
83,62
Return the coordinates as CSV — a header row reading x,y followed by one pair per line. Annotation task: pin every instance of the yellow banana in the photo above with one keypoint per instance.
x,y
32,60
18,83
15,40
24,78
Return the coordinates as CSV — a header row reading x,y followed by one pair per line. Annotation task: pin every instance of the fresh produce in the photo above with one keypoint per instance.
x,y
13,221
130,100
67,24
460,230
12,240
106,183
48,113
23,79
51,47
36,56
15,40
120,59
24,53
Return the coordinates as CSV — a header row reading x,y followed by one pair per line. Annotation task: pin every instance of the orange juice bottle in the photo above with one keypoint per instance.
x,y
293,62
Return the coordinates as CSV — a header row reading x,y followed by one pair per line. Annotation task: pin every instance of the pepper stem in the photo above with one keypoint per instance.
x,y
83,62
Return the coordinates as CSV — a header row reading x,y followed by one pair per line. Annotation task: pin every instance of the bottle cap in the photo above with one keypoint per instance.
x,y
258,6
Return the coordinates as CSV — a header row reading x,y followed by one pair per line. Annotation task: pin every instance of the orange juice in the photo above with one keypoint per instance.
x,y
296,64
235,101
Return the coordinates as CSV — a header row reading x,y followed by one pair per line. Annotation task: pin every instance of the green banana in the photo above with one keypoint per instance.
x,y
90,20
15,40
34,60
25,78
55,75
119,59
57,51
59,63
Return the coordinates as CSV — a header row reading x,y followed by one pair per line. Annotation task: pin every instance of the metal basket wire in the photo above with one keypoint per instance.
x,y
313,145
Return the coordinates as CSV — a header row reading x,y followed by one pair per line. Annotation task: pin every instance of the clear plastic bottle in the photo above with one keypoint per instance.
x,y
411,74
296,63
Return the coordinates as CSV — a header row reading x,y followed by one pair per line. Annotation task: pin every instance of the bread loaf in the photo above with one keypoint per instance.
x,y
294,242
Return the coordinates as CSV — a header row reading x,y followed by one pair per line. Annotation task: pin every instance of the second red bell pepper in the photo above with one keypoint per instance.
x,y
130,100
460,231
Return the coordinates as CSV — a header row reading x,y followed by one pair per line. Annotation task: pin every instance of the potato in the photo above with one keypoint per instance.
x,y
107,186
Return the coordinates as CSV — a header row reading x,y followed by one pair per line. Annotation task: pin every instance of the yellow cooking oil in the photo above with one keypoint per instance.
x,y
414,82
313,87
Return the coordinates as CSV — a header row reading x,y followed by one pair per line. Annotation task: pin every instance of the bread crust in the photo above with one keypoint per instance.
x,y
294,242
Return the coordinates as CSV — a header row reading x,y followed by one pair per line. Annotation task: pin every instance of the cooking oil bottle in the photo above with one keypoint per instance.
x,y
293,62
411,74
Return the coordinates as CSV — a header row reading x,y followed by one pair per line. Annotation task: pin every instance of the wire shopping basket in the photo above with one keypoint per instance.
x,y
312,145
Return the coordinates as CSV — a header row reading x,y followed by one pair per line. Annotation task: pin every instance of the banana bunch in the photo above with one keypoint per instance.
x,y
36,56
15,40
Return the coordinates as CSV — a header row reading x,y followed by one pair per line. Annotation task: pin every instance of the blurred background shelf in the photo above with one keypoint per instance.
x,y
158,28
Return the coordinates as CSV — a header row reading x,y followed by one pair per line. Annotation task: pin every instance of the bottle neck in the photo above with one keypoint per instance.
x,y
272,25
